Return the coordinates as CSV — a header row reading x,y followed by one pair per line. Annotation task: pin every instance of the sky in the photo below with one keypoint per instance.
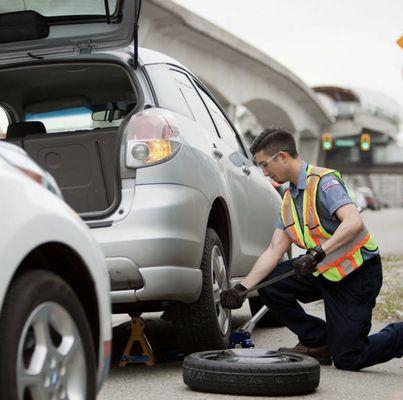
x,y
349,43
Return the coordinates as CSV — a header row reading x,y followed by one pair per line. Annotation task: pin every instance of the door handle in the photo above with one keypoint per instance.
x,y
245,170
217,153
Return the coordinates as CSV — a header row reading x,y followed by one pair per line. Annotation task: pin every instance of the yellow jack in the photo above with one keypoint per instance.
x,y
137,335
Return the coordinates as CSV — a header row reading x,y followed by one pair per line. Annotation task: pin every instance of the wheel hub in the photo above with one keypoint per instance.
x,y
50,360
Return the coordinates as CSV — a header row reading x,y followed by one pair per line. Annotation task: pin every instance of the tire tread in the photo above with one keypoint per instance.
x,y
196,324
251,379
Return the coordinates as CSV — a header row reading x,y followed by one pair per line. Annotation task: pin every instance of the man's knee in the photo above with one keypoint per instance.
x,y
348,361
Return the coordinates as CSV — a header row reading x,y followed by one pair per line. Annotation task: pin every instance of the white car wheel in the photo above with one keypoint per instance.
x,y
46,345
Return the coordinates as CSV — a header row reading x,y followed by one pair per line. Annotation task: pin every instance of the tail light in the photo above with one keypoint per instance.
x,y
152,138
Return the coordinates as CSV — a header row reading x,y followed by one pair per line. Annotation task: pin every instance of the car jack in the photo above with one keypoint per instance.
x,y
242,335
138,337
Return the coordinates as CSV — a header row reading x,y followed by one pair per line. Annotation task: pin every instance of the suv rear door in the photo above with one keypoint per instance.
x,y
230,153
37,28
256,202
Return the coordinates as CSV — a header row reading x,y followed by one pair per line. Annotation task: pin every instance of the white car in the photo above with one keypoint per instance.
x,y
372,201
55,327
359,199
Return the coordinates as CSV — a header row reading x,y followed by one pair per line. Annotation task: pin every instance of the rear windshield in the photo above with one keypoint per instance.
x,y
57,8
82,118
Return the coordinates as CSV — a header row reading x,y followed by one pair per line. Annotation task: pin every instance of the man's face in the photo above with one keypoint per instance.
x,y
274,166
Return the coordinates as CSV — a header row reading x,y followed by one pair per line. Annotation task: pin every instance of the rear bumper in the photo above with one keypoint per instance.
x,y
154,253
164,284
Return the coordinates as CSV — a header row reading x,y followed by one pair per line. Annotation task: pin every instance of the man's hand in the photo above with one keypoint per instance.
x,y
307,263
233,298
304,265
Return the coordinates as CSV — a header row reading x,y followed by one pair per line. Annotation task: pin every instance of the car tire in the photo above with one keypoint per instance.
x,y
269,319
46,346
256,372
205,324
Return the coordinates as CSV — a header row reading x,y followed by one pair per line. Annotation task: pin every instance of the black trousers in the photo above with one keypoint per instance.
x,y
348,310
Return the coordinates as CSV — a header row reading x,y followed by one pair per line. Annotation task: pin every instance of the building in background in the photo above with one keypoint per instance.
x,y
365,140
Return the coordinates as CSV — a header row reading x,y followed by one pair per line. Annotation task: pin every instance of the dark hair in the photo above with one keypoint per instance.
x,y
273,140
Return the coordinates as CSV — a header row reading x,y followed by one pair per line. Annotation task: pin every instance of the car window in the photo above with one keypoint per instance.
x,y
193,101
225,129
56,8
4,122
166,90
81,118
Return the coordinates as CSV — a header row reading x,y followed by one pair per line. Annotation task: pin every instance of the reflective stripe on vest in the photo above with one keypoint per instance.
x,y
342,261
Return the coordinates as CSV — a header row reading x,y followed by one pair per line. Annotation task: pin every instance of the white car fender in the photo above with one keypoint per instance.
x,y
45,220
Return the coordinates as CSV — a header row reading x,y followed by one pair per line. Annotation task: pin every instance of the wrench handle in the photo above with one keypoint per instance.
x,y
269,282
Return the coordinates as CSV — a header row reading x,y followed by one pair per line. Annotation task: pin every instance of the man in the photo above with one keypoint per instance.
x,y
342,264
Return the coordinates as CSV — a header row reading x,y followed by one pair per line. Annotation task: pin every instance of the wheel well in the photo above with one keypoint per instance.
x,y
65,262
219,221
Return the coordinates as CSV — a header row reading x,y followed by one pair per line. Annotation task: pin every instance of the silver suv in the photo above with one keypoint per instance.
x,y
145,154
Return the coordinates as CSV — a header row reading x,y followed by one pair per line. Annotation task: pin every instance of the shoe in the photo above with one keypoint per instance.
x,y
321,353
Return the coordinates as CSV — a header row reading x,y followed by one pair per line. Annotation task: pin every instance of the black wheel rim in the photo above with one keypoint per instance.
x,y
248,356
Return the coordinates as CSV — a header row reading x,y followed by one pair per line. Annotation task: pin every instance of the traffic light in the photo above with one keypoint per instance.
x,y
365,142
327,142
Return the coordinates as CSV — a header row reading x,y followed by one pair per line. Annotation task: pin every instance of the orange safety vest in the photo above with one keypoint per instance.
x,y
342,261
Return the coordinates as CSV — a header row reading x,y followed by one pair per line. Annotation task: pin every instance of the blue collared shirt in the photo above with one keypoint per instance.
x,y
331,196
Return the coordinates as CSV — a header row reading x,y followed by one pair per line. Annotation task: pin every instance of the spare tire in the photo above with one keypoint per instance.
x,y
258,372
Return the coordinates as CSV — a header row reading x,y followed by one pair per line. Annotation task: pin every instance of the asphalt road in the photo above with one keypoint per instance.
x,y
164,381
386,227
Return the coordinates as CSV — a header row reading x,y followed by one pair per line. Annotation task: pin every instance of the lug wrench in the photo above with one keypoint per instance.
x,y
269,282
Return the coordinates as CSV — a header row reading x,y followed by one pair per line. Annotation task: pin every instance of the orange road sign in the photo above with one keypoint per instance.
x,y
400,42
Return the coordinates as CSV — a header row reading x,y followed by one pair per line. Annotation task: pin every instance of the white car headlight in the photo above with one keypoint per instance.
x,y
18,158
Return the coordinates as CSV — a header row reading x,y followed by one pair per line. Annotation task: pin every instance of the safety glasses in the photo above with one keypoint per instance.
x,y
265,163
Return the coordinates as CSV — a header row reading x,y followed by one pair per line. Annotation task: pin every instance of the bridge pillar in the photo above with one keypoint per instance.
x,y
308,146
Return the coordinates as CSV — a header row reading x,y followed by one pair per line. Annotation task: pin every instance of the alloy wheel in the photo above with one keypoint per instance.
x,y
50,359
220,283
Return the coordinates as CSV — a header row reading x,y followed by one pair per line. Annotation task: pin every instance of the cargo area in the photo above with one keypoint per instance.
x,y
67,117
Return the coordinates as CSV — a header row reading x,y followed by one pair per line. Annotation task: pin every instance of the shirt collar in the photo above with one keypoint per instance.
x,y
302,177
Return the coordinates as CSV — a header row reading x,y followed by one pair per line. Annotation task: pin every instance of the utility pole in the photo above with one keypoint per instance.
x,y
400,43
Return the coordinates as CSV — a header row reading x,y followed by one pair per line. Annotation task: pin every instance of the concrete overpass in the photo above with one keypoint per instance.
x,y
248,83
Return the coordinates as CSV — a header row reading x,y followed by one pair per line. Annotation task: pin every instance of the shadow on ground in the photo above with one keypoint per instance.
x,y
162,338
